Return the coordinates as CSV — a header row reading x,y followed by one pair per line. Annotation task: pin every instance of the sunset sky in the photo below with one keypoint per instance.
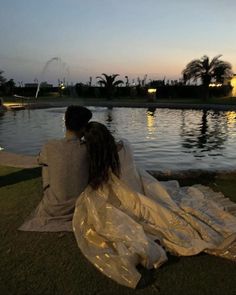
x,y
128,37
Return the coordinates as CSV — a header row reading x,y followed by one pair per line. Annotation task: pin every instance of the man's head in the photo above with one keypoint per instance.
x,y
76,117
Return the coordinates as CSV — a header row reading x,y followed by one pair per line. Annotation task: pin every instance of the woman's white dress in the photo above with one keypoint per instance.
x,y
117,226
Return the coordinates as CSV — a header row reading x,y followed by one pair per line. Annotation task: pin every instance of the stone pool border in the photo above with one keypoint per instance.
x,y
192,174
110,104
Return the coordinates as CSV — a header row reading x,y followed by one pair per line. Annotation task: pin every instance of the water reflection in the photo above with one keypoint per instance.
x,y
208,134
231,118
151,119
109,120
151,111
1,119
161,138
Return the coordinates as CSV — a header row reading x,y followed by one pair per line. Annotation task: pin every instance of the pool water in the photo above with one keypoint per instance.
x,y
162,139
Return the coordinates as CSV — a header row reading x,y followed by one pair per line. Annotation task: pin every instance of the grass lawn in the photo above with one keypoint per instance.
x,y
51,263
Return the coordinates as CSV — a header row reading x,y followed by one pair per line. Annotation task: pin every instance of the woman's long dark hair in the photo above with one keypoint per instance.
x,y
102,153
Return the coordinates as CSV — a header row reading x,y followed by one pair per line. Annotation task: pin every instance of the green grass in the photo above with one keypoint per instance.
x,y
51,263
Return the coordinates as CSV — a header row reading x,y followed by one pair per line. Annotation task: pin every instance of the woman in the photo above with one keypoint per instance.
x,y
125,217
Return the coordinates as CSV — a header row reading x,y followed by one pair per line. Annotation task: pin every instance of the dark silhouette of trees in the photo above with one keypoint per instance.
x,y
9,87
2,79
108,81
207,71
127,81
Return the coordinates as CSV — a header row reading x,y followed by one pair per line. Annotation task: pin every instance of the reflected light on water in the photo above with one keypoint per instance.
x,y
231,117
150,122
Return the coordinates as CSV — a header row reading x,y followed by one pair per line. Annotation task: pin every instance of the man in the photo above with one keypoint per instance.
x,y
65,175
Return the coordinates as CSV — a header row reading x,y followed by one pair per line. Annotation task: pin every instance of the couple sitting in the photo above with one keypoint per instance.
x,y
121,216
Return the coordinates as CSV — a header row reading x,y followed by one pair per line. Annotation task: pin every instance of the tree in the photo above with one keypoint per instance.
x,y
9,87
108,81
207,71
2,79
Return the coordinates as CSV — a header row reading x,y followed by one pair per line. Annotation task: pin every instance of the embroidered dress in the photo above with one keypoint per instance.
x,y
117,225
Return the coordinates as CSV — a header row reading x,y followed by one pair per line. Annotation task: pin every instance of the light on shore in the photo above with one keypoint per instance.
x,y
62,86
152,90
215,85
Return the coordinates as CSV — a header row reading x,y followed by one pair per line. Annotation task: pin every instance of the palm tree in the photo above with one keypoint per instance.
x,y
207,71
108,81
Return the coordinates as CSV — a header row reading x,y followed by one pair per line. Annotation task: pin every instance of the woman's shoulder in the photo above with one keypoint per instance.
x,y
120,145
123,142
124,147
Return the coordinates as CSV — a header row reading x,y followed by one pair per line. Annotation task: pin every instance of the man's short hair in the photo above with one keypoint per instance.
x,y
76,117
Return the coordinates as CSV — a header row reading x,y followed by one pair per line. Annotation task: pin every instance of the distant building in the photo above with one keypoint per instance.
x,y
45,85
35,85
31,85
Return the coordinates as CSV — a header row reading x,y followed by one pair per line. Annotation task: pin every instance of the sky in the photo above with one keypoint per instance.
x,y
126,37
